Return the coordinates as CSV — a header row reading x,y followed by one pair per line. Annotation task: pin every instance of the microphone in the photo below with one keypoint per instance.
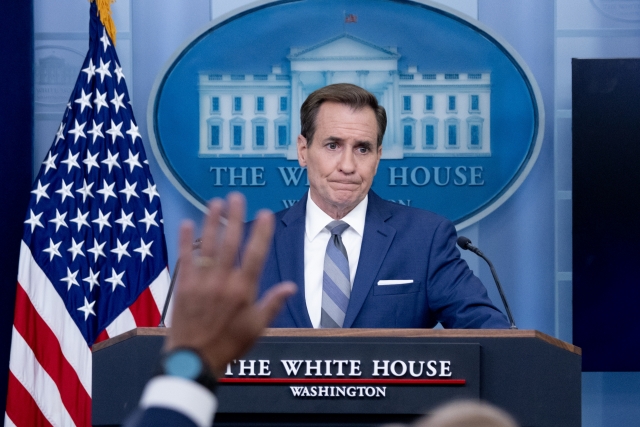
x,y
196,246
466,245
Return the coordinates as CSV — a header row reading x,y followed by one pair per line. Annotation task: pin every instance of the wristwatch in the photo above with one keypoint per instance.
x,y
187,363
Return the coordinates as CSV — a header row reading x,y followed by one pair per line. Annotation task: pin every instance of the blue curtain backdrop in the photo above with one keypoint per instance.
x,y
16,144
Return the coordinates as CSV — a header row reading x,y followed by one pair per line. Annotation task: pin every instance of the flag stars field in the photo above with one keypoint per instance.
x,y
125,220
91,161
96,131
81,219
70,279
92,279
121,250
103,70
40,191
133,161
49,162
87,308
59,220
71,161
129,190
117,101
112,160
100,100
78,131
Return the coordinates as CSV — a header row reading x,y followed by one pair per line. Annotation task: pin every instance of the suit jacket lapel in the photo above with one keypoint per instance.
x,y
289,247
375,245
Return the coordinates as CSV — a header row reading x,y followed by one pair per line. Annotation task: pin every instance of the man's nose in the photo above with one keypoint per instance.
x,y
347,162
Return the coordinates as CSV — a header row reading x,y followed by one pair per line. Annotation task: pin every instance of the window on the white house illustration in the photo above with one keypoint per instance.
x,y
259,133
284,104
451,133
259,104
237,133
237,104
474,103
406,103
451,103
282,132
408,132
214,139
428,103
215,104
430,133
475,132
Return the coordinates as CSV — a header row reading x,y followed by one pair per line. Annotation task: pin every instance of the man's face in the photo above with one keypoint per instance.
x,y
343,157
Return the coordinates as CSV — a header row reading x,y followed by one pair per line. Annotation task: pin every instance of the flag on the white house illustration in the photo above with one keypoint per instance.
x,y
93,259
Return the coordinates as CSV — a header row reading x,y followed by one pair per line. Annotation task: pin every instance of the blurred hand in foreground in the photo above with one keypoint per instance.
x,y
215,309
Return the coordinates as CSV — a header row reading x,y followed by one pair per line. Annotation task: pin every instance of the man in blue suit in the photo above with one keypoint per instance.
x,y
400,266
358,261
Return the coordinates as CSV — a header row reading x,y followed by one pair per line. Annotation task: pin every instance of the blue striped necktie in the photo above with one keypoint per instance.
x,y
336,283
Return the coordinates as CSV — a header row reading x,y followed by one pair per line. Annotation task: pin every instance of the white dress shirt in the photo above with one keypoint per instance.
x,y
316,237
180,395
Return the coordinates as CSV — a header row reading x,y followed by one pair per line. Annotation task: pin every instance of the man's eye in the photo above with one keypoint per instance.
x,y
363,150
332,146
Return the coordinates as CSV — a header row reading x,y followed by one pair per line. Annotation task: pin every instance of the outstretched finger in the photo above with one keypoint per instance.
x,y
257,247
184,251
272,301
209,245
233,233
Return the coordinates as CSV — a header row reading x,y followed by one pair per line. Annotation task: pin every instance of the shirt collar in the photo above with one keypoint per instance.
x,y
316,219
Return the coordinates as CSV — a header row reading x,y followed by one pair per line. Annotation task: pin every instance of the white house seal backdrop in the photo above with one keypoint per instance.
x,y
465,114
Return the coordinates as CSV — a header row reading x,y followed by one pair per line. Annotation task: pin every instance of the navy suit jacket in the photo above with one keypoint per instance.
x,y
154,417
399,243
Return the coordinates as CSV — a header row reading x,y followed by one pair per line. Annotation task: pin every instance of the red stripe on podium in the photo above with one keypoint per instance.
x,y
339,381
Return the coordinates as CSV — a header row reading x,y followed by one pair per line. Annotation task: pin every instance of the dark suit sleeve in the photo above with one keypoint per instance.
x,y
158,417
456,296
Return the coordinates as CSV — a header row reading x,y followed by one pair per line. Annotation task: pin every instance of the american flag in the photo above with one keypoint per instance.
x,y
350,18
93,261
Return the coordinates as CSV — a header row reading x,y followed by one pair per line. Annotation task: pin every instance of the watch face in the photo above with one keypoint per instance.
x,y
183,363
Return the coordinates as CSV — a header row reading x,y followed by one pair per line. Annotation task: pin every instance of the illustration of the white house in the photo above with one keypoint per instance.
x,y
429,114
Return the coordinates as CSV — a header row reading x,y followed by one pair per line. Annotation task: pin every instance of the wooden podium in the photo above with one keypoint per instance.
x,y
305,377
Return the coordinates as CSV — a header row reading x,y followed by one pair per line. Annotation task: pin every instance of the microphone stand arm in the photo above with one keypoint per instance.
x,y
495,278
169,294
174,277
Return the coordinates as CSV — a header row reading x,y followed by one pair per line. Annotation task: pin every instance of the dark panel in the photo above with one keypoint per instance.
x,y
606,213
538,383
16,123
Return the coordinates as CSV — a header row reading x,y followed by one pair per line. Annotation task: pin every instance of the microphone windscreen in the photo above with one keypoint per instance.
x,y
464,242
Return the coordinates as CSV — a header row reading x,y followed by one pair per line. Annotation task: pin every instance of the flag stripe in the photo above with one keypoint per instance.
x,y
159,289
102,337
22,410
33,384
123,323
52,310
144,309
7,421
48,353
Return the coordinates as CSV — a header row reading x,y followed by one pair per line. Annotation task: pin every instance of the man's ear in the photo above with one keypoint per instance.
x,y
379,157
302,151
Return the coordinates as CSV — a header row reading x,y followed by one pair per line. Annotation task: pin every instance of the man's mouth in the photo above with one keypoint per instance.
x,y
345,182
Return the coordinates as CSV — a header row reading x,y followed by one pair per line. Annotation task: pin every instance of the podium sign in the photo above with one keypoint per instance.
x,y
346,376
363,377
